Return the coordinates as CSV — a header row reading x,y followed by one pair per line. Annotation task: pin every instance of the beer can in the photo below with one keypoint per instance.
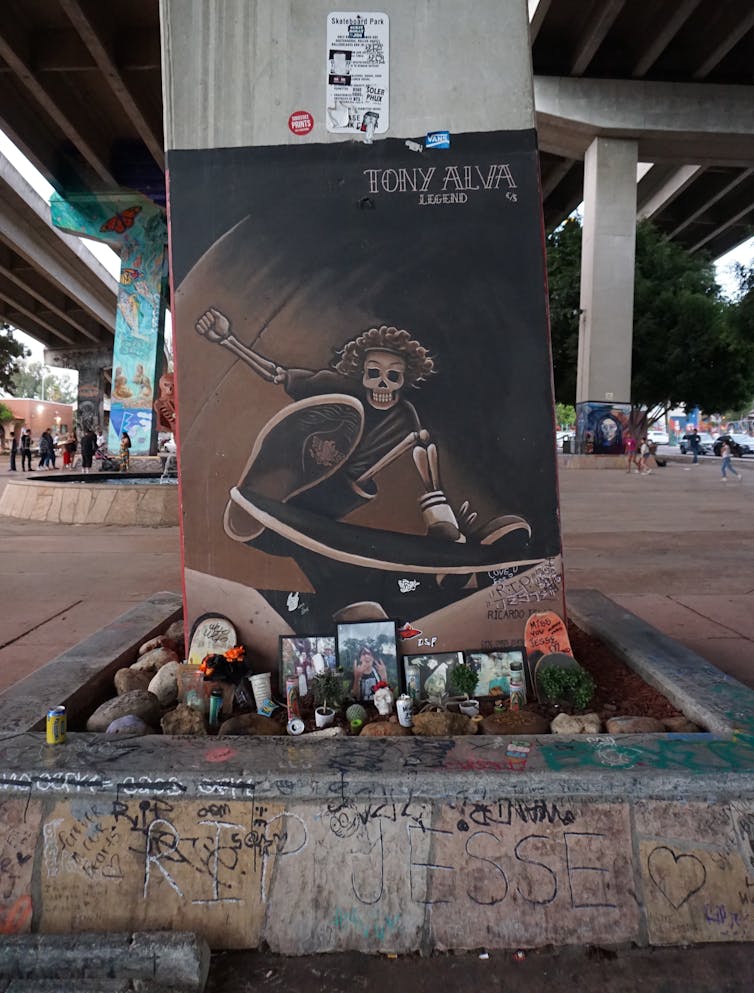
x,y
215,707
404,707
56,726
291,697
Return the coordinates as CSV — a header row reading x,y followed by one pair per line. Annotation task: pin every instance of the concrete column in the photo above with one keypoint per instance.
x,y
607,292
90,363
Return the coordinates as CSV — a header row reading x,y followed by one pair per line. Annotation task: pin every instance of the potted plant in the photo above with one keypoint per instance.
x,y
328,689
571,687
464,679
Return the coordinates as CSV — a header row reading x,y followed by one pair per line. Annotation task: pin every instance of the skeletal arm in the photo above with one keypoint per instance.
x,y
215,327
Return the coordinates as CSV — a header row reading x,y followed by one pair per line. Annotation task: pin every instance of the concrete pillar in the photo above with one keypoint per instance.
x,y
301,252
90,363
603,387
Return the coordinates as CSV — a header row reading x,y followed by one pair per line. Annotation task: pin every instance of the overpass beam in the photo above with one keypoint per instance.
x,y
603,387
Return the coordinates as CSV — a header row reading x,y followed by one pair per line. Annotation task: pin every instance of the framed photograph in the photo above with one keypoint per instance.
x,y
305,656
493,670
429,675
368,654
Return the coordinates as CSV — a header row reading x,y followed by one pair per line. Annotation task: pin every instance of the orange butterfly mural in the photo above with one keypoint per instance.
x,y
120,222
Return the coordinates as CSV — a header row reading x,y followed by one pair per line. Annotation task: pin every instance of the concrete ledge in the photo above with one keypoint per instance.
x,y
592,461
82,677
165,960
69,502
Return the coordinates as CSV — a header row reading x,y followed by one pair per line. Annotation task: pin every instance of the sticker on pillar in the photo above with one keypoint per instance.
x,y
438,139
357,73
300,122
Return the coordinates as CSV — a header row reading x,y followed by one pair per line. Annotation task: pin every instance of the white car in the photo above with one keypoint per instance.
x,y
659,437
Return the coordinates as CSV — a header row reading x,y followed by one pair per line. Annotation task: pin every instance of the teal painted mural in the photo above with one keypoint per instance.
x,y
136,228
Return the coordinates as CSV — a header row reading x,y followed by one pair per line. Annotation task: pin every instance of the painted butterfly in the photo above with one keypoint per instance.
x,y
127,276
121,221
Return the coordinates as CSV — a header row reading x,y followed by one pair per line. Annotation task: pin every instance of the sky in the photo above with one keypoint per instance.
x,y
725,266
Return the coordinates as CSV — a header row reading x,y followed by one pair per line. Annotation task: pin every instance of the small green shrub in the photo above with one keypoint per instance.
x,y
329,689
464,679
573,686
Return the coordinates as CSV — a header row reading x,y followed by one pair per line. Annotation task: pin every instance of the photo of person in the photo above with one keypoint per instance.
x,y
493,670
367,654
305,657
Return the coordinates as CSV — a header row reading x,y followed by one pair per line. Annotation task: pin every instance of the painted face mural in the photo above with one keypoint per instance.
x,y
358,437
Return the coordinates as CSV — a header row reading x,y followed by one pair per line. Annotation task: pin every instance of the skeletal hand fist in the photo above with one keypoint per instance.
x,y
213,325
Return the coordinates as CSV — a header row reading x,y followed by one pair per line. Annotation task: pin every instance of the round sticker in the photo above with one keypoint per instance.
x,y
301,122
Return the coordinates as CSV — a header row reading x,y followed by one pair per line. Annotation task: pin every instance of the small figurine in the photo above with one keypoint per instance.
x,y
383,698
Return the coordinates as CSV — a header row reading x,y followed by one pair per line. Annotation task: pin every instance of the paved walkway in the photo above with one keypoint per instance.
x,y
675,547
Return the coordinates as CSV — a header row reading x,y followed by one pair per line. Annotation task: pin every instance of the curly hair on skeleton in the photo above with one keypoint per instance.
x,y
419,363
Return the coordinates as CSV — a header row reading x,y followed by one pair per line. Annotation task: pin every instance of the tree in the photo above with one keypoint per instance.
x,y
689,346
32,380
11,351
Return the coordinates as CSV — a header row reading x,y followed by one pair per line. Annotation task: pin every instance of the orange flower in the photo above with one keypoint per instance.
x,y
235,654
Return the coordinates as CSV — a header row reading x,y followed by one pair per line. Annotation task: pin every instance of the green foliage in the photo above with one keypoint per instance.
x,y
6,414
565,415
690,345
32,380
464,679
10,353
329,689
572,686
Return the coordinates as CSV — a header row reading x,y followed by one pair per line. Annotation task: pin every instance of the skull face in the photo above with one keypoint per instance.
x,y
383,378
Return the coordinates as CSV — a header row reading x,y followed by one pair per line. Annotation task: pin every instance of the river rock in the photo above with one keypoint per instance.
x,y
183,720
155,659
634,725
161,641
384,729
175,633
164,684
129,725
129,679
679,724
138,703
249,724
440,724
576,724
515,722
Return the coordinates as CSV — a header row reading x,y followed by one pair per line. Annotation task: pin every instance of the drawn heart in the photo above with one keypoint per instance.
x,y
677,877
22,859
113,870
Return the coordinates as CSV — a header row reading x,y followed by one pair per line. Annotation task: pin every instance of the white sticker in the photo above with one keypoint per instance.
x,y
357,73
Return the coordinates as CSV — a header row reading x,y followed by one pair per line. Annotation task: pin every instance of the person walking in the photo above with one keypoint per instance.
x,y
13,451
125,449
26,450
88,448
644,453
727,464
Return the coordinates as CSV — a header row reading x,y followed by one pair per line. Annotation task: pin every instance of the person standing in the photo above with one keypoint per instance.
x,y
69,449
26,450
125,450
644,453
695,442
88,447
630,450
45,449
13,451
727,464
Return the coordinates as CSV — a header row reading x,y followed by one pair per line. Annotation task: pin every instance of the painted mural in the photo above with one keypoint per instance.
x,y
136,228
602,428
364,376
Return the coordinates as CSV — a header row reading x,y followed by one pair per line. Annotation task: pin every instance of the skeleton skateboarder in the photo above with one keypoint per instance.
x,y
347,424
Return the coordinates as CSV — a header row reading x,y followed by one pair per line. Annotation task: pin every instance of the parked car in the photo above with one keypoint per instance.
x,y
706,443
658,437
740,444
